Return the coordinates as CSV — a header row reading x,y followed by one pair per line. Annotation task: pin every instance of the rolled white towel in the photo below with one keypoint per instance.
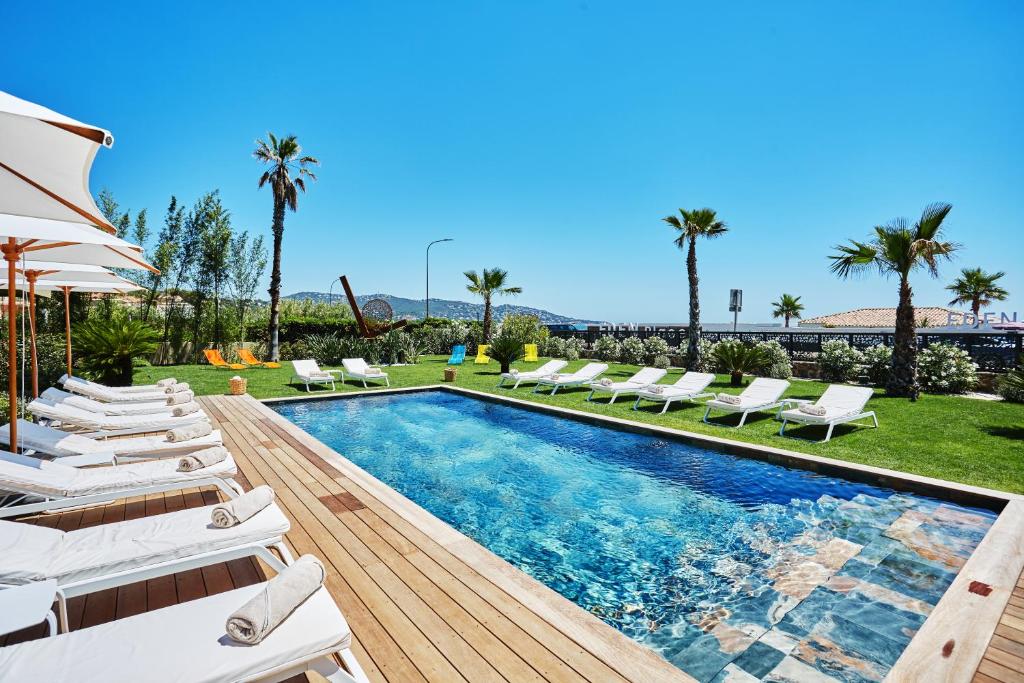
x,y
605,382
554,376
179,398
656,389
163,383
242,508
513,372
812,409
176,387
254,620
185,409
730,399
203,458
374,371
188,432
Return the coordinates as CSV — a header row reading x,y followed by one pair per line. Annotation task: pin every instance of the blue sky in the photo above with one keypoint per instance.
x,y
550,138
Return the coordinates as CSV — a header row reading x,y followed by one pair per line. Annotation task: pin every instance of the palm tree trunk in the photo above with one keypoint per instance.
x,y
693,343
487,319
976,310
787,320
903,378
275,280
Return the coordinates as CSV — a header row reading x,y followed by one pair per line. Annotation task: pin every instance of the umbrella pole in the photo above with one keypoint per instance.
x,y
10,251
67,324
32,332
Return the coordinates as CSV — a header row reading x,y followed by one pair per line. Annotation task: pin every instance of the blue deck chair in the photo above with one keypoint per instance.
x,y
458,355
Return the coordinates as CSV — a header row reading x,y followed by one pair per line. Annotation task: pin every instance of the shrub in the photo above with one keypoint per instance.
x,y
574,348
878,364
526,328
632,351
654,347
776,360
839,362
440,336
946,369
328,349
738,359
661,362
554,347
506,347
607,348
295,350
49,354
107,349
1011,385
707,356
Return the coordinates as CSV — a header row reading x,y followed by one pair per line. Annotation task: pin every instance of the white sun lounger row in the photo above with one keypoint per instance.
x,y
56,443
308,372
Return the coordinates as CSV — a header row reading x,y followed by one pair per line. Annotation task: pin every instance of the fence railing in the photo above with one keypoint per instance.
x,y
995,352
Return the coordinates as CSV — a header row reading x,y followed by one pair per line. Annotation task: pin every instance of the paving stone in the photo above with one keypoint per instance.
x,y
759,659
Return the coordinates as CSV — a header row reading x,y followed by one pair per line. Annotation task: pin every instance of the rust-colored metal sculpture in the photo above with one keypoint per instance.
x,y
370,326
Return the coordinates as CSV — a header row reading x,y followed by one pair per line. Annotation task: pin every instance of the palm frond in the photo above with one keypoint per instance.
x,y
853,258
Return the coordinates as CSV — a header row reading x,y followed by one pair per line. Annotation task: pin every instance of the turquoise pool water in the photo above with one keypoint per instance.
x,y
730,568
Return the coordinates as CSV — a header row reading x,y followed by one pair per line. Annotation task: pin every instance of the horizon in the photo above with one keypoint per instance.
x,y
505,128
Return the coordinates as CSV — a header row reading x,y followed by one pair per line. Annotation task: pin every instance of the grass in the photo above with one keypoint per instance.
x,y
947,437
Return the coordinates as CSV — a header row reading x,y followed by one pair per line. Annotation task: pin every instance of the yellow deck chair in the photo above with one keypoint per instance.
x,y
531,353
245,355
481,355
214,358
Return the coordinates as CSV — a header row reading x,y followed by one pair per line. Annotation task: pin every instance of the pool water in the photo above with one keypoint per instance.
x,y
732,569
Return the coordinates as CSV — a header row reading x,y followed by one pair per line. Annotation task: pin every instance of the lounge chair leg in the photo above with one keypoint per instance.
x,y
62,611
706,413
828,434
636,403
665,408
590,395
614,394
364,385
875,418
554,389
387,382
743,418
332,671
782,429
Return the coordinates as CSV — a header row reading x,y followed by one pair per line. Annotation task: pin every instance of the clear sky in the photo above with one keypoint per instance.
x,y
550,138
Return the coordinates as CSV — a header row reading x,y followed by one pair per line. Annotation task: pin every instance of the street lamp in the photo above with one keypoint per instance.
x,y
330,292
446,239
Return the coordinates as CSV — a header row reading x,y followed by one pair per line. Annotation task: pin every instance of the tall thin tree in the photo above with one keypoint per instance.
x,y
491,282
247,265
694,223
164,255
287,174
977,288
787,307
897,249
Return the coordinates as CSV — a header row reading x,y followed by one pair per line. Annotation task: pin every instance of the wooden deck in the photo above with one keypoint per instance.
x,y
425,603
1004,658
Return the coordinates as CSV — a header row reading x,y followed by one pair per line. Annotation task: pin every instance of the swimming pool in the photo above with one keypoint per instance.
x,y
730,568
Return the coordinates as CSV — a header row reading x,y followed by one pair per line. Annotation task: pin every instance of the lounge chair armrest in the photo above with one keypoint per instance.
x,y
27,605
87,459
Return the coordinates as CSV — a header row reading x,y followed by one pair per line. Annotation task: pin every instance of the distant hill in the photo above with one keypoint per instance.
x,y
444,308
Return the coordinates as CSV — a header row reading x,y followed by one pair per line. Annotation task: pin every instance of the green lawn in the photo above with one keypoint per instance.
x,y
959,439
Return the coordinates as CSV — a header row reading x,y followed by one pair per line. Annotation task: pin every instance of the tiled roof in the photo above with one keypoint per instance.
x,y
926,316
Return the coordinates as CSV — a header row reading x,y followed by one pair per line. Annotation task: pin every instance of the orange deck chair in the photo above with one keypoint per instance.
x,y
245,355
214,358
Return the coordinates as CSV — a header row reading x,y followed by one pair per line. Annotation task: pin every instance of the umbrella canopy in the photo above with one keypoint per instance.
x,y
45,163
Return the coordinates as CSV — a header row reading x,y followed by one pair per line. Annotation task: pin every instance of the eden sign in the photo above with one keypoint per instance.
x,y
971,320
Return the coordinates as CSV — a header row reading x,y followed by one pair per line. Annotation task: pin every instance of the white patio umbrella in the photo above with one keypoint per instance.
x,y
49,276
46,209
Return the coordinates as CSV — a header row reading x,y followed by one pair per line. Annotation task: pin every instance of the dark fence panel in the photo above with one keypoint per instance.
x,y
995,352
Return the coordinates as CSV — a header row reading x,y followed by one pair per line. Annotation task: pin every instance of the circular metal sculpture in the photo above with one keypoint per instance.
x,y
377,310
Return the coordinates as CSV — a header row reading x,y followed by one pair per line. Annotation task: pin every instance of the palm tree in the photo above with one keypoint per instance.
x,y
788,306
492,282
695,223
977,288
287,175
898,249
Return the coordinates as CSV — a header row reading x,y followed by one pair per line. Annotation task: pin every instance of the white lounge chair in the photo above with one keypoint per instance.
x,y
110,425
689,387
54,395
184,642
60,444
308,372
841,403
102,392
111,555
585,375
44,485
761,394
640,380
549,368
358,369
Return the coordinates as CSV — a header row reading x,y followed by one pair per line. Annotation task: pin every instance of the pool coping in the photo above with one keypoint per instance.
x,y
964,619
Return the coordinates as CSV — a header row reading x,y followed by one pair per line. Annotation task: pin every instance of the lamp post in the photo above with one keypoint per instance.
x,y
446,239
330,292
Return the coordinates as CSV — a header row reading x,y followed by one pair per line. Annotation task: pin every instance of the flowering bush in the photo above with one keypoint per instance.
x,y
607,348
574,348
661,362
554,347
878,364
654,347
839,362
707,356
632,351
776,360
946,369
